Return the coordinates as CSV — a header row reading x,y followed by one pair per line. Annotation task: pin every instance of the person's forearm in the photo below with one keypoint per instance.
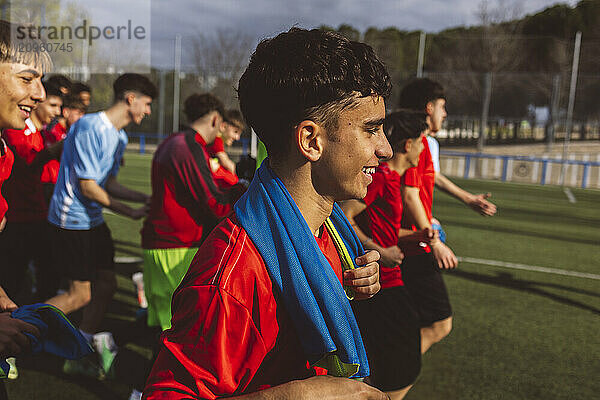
x,y
412,203
116,190
226,162
447,186
92,191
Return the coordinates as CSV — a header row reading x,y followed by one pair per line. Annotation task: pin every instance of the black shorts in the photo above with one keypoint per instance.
x,y
425,285
20,244
391,334
78,255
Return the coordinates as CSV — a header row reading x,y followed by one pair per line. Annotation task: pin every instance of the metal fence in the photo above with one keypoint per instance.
x,y
576,171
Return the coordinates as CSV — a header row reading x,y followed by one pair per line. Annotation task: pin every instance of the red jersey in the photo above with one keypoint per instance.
x,y
230,332
215,147
423,177
224,178
52,133
186,203
7,159
23,190
382,218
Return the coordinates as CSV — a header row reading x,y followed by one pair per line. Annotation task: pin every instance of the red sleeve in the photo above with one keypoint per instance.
x,y
218,145
6,162
212,350
411,178
21,146
195,177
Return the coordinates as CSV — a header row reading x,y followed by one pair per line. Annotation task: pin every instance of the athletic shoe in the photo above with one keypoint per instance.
x,y
135,395
106,348
13,372
138,284
86,366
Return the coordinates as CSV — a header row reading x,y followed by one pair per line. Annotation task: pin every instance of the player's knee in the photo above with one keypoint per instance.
x,y
442,328
81,296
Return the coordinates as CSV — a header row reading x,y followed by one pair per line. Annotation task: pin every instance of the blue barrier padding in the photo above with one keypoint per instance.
x,y
544,170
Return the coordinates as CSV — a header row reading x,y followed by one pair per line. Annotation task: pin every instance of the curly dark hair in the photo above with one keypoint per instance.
x,y
52,89
302,74
198,105
418,92
402,125
130,82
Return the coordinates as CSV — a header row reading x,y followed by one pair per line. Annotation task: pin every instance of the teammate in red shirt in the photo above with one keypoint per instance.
x,y
186,205
222,166
389,323
230,332
26,217
22,90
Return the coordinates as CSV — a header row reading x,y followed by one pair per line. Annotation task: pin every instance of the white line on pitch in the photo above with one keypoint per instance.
x,y
570,195
127,260
528,267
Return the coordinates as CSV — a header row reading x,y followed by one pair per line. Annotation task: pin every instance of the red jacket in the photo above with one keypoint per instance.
x,y
230,334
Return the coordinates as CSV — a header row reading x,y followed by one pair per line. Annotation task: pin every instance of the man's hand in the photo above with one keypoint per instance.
x,y
364,280
443,255
6,304
137,213
12,339
2,224
479,204
391,256
321,387
329,387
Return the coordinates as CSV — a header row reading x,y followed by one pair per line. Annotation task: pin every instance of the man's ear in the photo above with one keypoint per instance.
x,y
129,98
309,139
408,144
429,108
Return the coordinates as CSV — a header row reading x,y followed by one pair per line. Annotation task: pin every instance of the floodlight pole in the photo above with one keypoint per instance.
x,y
161,103
421,55
485,111
572,90
176,83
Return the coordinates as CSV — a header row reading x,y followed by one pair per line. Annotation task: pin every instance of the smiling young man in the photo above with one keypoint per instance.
x,y
26,218
82,243
22,90
262,309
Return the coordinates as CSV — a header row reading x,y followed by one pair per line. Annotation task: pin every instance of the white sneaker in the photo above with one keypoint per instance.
x,y
106,348
135,395
13,372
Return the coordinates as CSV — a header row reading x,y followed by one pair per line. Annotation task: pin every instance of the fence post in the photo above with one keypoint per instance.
x,y
584,178
504,168
142,144
467,166
544,169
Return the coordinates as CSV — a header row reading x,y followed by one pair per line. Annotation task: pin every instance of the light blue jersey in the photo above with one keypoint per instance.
x,y
434,149
92,150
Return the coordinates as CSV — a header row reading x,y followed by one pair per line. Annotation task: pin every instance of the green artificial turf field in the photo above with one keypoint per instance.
x,y
517,334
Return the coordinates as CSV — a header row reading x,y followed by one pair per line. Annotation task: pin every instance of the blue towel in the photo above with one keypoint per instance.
x,y
58,336
313,295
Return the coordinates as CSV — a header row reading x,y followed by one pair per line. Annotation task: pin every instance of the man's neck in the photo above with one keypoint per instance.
x,y
118,115
200,127
399,164
314,208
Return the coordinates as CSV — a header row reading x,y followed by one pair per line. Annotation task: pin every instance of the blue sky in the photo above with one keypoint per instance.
x,y
262,18
265,18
